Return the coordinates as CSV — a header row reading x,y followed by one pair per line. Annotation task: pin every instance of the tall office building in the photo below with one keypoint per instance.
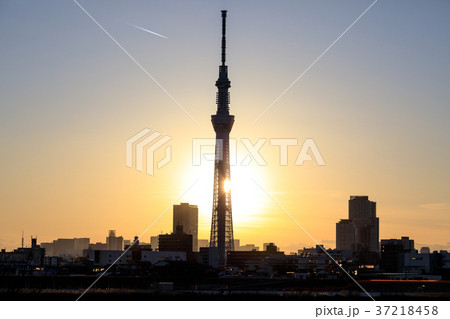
x,y
222,223
360,232
187,216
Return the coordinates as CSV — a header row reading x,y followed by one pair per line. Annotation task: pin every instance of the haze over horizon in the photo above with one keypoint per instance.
x,y
376,105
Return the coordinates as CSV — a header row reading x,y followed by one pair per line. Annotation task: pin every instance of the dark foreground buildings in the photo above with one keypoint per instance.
x,y
186,215
22,259
177,241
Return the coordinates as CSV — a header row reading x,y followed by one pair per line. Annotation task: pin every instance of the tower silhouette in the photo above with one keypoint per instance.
x,y
222,222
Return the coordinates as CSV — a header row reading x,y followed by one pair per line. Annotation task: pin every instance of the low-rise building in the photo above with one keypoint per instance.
x,y
23,257
314,262
67,248
415,263
178,241
119,257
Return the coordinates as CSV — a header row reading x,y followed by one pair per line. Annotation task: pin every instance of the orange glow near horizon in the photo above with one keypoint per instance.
x,y
376,105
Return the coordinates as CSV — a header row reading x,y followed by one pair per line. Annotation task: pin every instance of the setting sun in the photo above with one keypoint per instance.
x,y
227,185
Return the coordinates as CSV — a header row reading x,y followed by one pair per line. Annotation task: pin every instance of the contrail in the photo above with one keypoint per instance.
x,y
159,35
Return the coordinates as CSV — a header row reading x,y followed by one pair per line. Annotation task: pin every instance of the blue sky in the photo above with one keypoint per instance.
x,y
377,105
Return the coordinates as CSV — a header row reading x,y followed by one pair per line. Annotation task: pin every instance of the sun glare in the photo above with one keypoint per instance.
x,y
227,185
246,197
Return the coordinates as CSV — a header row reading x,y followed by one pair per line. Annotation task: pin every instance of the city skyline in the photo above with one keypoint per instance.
x,y
376,105
363,234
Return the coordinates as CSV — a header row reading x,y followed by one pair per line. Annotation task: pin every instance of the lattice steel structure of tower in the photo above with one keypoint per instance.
x,y
221,240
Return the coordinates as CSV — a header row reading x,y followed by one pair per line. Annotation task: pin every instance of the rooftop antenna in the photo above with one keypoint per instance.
x,y
22,238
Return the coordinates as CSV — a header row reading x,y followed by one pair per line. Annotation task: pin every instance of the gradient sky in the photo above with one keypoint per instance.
x,y
376,104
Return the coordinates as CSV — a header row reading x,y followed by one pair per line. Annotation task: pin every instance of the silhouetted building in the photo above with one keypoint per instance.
x,y
136,248
243,259
203,256
393,254
52,261
177,241
417,264
98,246
247,247
136,244
23,258
113,242
187,216
408,244
66,247
108,257
271,248
360,232
345,235
315,263
154,241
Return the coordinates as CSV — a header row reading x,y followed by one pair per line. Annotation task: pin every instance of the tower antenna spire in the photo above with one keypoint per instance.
x,y
223,83
224,40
